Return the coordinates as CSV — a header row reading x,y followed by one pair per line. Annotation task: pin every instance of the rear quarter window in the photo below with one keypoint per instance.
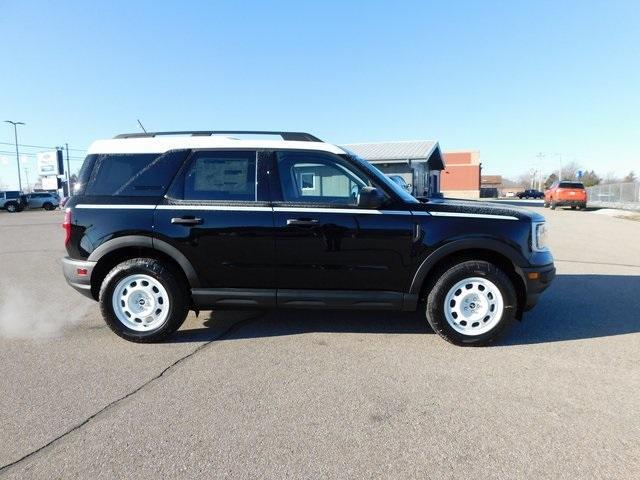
x,y
132,175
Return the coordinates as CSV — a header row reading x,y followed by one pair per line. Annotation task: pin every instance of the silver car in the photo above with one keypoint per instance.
x,y
46,200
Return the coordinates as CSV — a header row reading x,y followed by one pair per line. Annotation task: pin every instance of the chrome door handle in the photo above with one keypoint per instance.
x,y
302,222
186,221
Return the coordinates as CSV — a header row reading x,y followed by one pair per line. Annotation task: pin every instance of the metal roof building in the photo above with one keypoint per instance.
x,y
418,162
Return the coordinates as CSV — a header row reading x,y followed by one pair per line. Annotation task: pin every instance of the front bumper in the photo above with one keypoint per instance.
x,y
78,274
537,279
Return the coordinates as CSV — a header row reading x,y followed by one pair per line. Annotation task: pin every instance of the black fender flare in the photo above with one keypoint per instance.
x,y
493,245
153,244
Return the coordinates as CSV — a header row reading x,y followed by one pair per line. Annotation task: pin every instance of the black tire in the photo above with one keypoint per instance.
x,y
178,300
11,207
48,206
545,205
553,205
573,207
435,303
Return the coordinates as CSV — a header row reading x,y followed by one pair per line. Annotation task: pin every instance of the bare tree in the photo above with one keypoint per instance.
x,y
570,171
630,177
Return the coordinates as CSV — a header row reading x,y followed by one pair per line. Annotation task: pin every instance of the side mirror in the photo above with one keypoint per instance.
x,y
370,197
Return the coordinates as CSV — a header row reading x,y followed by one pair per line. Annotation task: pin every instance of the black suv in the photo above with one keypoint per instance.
x,y
162,223
530,194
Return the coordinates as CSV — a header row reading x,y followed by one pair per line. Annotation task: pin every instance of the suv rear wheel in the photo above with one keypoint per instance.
x,y
48,206
142,300
471,304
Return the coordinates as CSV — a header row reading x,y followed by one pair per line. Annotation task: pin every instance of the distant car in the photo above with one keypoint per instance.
x,y
11,201
46,200
399,179
531,193
566,194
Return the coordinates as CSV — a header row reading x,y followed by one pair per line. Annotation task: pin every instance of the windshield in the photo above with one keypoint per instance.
x,y
382,178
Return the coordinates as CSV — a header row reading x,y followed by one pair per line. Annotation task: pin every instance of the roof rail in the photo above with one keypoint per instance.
x,y
293,136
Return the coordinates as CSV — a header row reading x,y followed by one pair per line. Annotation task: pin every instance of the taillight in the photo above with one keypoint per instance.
x,y
66,224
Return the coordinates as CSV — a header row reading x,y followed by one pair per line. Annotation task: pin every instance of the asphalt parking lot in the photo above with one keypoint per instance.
x,y
302,394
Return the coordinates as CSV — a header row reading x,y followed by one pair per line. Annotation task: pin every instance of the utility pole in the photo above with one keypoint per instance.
x,y
560,171
26,174
540,157
66,146
15,133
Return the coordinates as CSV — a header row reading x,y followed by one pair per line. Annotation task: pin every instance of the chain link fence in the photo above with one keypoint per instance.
x,y
615,195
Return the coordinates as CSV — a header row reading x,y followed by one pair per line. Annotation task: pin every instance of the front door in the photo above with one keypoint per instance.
x,y
324,241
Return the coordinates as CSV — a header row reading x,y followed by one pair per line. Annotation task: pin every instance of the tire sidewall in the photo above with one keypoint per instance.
x,y
11,208
177,301
436,301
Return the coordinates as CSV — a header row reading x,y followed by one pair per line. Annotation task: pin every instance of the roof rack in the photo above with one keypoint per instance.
x,y
292,136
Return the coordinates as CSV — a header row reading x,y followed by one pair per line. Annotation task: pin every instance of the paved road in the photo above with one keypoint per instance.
x,y
323,394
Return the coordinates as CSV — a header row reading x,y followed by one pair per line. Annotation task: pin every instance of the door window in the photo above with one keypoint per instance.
x,y
223,176
310,177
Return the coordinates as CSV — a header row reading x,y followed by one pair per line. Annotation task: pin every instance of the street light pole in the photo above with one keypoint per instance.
x,y
15,133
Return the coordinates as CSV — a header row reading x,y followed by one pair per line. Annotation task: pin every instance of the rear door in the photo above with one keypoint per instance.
x,y
217,214
324,241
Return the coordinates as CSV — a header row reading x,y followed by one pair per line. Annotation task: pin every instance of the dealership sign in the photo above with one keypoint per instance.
x,y
50,183
47,163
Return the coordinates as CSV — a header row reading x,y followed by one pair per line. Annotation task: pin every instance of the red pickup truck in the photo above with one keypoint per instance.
x,y
566,194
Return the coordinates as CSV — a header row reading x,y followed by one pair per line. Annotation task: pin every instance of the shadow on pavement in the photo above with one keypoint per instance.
x,y
581,306
575,307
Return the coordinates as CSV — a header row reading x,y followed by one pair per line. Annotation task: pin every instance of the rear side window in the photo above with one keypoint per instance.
x,y
222,176
570,185
133,175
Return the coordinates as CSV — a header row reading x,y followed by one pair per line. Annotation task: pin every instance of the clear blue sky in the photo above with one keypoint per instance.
x,y
510,79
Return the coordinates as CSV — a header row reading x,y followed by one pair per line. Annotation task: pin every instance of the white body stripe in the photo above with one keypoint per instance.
x,y
115,206
473,215
221,208
242,208
341,210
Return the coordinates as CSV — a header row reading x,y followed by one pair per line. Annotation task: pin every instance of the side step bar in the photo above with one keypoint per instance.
x,y
211,298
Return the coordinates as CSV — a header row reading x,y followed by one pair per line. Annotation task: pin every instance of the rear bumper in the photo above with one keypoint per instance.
x,y
78,274
571,203
537,280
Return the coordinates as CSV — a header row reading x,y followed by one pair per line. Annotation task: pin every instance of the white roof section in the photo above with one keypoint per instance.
x,y
165,143
410,150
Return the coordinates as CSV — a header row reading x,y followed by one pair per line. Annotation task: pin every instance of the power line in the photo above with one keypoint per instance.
x,y
40,146
6,152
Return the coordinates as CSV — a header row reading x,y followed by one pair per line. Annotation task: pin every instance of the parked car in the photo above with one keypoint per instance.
x,y
566,194
531,193
11,201
399,179
46,200
200,222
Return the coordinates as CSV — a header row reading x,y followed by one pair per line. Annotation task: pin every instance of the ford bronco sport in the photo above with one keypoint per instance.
x,y
163,223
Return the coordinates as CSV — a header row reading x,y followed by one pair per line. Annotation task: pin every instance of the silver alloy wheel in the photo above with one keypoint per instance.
x,y
473,306
140,302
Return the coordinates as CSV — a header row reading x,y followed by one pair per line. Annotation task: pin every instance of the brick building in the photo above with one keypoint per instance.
x,y
461,175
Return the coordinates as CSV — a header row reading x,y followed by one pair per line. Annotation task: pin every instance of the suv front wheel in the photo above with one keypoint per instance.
x,y
471,304
142,300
